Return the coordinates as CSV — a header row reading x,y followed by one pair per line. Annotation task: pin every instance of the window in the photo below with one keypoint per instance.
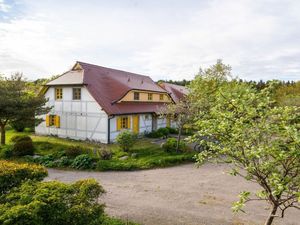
x,y
161,97
146,117
150,97
136,96
76,93
58,93
51,120
124,123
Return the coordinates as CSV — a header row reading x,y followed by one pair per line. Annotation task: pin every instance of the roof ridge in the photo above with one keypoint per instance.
x,y
97,66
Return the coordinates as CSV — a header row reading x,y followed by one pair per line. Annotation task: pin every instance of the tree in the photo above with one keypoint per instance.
x,y
259,139
16,103
181,114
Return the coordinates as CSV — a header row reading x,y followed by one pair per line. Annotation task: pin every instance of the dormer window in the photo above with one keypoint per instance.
x,y
150,96
161,97
58,93
136,95
76,93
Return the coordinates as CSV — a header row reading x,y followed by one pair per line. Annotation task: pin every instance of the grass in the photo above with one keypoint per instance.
x,y
144,154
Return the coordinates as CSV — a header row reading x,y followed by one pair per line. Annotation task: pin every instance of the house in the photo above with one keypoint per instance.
x,y
91,102
176,92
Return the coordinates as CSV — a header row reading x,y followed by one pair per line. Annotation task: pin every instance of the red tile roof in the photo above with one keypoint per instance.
x,y
176,91
107,86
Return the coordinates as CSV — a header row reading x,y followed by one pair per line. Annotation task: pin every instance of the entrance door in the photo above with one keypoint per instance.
x,y
136,124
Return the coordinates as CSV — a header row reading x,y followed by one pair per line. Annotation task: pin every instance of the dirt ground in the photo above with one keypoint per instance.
x,y
182,195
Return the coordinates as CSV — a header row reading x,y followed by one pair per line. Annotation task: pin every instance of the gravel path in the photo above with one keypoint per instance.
x,y
182,195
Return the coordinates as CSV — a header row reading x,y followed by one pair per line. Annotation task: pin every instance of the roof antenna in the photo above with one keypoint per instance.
x,y
142,82
128,79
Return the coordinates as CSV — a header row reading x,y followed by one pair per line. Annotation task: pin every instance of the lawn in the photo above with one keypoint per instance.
x,y
144,154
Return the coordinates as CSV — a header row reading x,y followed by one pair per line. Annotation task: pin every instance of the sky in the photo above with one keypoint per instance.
x,y
165,39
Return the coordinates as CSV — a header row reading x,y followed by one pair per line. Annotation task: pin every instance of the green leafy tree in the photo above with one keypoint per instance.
x,y
180,113
17,103
261,140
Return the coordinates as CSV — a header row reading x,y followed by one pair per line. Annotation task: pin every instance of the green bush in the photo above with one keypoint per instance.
x,y
83,161
52,203
105,153
21,137
171,144
154,134
126,140
64,161
172,130
164,131
13,174
18,125
6,152
22,146
73,151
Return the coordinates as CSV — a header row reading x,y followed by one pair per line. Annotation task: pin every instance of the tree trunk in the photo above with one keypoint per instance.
x,y
178,139
2,129
270,219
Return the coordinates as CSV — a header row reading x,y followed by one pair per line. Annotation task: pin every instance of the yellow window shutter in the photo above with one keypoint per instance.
x,y
119,123
47,120
129,122
57,121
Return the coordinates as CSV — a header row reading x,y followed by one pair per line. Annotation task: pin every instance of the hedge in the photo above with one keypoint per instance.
x,y
13,174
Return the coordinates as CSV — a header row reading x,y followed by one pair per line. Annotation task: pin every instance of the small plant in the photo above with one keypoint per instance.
x,y
105,154
171,143
83,161
64,161
126,140
154,134
164,131
73,151
17,138
6,152
22,145
172,130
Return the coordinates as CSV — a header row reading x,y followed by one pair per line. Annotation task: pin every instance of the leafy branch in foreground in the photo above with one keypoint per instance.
x,y
261,140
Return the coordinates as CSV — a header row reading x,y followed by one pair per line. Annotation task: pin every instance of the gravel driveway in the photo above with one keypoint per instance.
x,y
182,195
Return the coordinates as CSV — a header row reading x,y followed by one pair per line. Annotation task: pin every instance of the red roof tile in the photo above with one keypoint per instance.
x,y
176,91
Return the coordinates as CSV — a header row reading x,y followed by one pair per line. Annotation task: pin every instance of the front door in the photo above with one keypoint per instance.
x,y
136,124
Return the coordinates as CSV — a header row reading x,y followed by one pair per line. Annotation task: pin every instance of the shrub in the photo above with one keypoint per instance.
x,y
53,203
164,131
172,130
171,144
18,125
22,145
154,134
73,151
126,140
83,161
105,154
13,174
6,152
17,138
64,161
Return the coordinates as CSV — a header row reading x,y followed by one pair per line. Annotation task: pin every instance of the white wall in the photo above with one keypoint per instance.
x,y
79,119
145,125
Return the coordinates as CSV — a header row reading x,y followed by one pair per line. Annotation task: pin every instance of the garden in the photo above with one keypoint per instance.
x,y
129,153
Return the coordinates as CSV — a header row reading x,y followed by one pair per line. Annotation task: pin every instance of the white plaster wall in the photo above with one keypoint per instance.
x,y
161,122
79,119
145,125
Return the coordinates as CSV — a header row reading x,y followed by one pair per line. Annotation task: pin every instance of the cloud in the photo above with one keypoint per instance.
x,y
163,39
3,6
